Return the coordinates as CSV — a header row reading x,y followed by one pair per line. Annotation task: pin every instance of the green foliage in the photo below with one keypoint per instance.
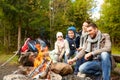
x,y
110,18
28,14
78,12
115,50
39,18
80,9
65,13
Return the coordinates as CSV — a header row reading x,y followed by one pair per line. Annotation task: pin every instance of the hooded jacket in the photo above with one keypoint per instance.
x,y
73,42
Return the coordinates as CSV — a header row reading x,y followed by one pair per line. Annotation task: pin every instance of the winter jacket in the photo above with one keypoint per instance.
x,y
73,43
105,46
61,50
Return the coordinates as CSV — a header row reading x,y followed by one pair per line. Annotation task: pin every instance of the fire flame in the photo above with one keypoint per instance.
x,y
43,54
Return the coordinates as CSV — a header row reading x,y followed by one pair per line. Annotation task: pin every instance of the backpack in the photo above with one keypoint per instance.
x,y
41,42
24,48
31,46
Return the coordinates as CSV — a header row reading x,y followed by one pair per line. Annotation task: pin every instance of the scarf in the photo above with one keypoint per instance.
x,y
61,44
95,40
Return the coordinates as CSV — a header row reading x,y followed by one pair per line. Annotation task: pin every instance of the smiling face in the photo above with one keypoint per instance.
x,y
60,38
92,31
71,34
84,26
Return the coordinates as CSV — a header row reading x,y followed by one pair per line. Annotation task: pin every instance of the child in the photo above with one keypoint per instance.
x,y
61,48
73,39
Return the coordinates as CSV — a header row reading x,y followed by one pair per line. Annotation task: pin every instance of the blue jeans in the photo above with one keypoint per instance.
x,y
72,52
98,67
78,62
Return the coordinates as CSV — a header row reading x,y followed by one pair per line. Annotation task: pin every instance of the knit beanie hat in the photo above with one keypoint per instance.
x,y
72,28
59,34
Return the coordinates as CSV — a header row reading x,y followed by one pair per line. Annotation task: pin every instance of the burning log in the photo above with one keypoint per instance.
x,y
41,64
36,69
36,72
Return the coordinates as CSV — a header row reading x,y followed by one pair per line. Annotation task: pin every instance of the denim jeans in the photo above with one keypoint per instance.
x,y
78,62
72,52
98,67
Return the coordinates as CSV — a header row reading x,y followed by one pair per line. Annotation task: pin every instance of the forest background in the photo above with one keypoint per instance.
x,y
20,19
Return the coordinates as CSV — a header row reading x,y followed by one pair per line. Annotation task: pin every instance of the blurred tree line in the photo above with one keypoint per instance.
x,y
20,19
110,20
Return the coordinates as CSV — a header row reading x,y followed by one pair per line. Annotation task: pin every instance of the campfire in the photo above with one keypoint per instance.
x,y
41,63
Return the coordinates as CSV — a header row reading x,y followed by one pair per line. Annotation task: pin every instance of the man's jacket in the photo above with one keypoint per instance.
x,y
105,46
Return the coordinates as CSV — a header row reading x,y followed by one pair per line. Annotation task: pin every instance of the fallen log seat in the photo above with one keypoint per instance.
x,y
116,58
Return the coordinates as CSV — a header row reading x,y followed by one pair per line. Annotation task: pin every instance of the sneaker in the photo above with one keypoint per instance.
x,y
81,75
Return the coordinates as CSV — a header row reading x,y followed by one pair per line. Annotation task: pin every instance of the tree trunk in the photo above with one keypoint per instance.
x,y
4,36
8,41
19,35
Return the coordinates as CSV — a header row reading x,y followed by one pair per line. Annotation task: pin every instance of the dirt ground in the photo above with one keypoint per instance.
x,y
10,68
7,69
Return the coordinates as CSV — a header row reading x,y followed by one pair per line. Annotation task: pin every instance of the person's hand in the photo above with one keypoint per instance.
x,y
79,49
66,54
71,61
88,56
60,57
